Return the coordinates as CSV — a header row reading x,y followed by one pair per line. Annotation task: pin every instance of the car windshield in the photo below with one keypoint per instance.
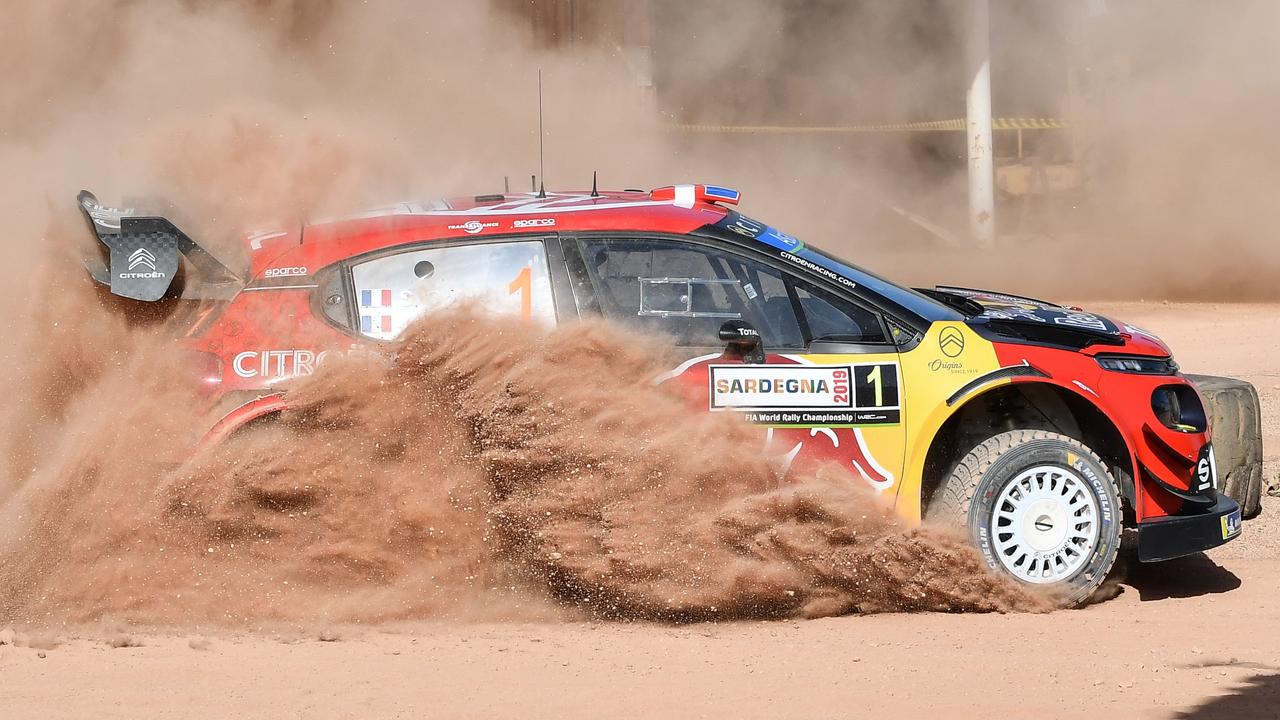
x,y
838,270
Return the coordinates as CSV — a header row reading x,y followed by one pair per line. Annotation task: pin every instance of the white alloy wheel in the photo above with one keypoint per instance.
x,y
1045,524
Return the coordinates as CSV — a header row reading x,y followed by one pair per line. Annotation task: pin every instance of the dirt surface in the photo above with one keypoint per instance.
x,y
1198,637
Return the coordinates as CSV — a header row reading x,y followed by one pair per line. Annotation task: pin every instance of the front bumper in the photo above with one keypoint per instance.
x,y
1165,538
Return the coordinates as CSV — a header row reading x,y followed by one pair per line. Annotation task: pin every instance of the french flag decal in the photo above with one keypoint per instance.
x,y
378,322
375,324
375,298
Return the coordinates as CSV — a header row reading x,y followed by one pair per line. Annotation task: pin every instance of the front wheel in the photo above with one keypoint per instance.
x,y
1041,507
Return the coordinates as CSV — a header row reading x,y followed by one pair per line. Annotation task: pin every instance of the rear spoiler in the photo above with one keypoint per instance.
x,y
140,257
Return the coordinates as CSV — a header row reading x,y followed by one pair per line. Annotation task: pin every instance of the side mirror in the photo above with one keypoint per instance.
x,y
743,341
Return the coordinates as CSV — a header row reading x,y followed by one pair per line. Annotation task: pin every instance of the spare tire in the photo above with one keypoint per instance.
x,y
1236,422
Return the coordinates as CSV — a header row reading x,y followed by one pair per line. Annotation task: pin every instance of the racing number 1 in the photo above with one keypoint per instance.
x,y
523,284
876,380
876,385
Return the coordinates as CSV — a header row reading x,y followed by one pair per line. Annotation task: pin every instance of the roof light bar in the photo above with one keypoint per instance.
x,y
687,195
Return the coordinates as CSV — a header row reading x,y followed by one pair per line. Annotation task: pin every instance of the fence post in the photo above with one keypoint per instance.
x,y
982,218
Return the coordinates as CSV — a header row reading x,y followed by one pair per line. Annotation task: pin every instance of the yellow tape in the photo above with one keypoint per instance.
x,y
1027,124
954,125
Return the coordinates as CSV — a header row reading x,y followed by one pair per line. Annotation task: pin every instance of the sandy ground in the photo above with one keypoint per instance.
x,y
1194,638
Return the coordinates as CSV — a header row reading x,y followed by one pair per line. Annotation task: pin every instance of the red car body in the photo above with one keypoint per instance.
x,y
274,328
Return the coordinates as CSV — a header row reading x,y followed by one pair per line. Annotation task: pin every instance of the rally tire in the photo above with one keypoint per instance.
x,y
992,476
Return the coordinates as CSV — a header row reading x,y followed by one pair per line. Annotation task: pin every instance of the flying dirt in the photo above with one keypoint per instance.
x,y
380,526
474,521
474,464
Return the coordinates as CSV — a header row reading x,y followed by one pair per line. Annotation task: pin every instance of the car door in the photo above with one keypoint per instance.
x,y
829,386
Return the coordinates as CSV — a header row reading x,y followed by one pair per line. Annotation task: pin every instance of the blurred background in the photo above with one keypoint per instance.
x,y
1132,150
1133,144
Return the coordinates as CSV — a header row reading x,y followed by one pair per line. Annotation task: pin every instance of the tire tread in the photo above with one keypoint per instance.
x,y
954,498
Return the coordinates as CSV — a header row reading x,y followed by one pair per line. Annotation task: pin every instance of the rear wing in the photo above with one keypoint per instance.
x,y
141,257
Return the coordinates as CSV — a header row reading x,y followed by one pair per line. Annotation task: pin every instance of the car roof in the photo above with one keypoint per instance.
x,y
662,210
673,209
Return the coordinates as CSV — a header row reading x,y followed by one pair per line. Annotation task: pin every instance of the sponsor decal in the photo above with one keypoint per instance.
x,y
787,245
272,365
805,386
142,258
850,441
806,435
780,240
937,364
951,341
285,272
276,363
1014,313
1206,470
819,269
825,395
536,222
471,227
1077,462
984,544
1082,320
1231,525
745,226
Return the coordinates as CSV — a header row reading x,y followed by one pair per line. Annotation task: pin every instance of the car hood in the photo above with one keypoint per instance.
x,y
1039,321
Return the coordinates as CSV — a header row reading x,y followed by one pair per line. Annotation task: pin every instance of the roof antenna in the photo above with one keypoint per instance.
x,y
542,168
506,185
594,192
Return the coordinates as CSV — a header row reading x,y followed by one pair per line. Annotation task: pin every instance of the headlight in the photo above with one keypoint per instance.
x,y
1138,364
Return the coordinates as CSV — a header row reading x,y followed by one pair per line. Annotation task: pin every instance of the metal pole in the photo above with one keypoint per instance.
x,y
982,218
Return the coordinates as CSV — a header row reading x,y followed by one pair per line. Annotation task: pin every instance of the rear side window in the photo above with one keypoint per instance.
x,y
686,291
507,278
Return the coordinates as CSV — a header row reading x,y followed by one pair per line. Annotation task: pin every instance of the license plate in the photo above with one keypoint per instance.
x,y
1231,524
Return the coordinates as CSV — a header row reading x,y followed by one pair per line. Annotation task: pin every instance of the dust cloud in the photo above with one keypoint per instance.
x,y
260,113
473,474
1162,179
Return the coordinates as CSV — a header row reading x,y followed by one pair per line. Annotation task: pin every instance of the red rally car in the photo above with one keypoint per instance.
x,y
1040,430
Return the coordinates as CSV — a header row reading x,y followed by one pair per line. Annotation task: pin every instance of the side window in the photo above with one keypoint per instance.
x,y
504,278
829,317
686,291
